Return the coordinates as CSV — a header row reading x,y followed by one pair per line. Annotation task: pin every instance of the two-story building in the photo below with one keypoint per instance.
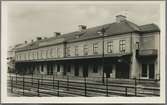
x,y
120,49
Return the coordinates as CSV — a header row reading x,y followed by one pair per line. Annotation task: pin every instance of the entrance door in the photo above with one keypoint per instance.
x,y
85,70
151,71
122,70
108,69
148,71
76,70
49,69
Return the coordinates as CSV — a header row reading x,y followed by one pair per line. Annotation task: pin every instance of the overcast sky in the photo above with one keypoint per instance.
x,y
27,21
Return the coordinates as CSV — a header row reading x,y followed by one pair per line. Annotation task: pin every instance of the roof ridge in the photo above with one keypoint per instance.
x,y
127,22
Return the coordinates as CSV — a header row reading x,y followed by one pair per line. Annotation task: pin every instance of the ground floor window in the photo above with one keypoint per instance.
x,y
58,68
76,70
144,70
95,68
68,68
148,70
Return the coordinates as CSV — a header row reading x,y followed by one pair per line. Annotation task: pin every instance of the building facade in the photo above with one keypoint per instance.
x,y
120,49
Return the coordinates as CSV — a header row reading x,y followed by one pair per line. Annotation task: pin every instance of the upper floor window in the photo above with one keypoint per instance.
x,y
29,55
37,54
20,56
95,48
122,45
137,45
85,49
46,54
41,54
68,51
109,47
51,51
76,50
58,52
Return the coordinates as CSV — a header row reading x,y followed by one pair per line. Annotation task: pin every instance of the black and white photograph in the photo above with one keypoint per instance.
x,y
85,51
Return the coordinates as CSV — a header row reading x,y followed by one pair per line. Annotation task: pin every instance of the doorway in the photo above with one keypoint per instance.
x,y
148,71
108,69
122,71
76,71
85,70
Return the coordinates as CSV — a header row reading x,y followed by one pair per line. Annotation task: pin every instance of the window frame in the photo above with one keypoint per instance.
x,y
76,51
122,46
85,49
95,68
110,47
95,48
68,51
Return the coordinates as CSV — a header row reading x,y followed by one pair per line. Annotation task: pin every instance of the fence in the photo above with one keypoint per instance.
x,y
40,86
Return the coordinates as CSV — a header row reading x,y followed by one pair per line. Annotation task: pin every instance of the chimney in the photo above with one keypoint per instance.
x,y
56,34
39,38
120,18
25,42
81,27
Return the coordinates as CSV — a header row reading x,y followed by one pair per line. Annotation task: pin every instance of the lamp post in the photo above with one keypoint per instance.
x,y
101,32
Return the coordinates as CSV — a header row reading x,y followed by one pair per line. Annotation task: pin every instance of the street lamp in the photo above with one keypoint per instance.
x,y
101,32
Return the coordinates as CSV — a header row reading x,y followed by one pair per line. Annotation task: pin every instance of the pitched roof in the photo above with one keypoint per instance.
x,y
149,28
110,29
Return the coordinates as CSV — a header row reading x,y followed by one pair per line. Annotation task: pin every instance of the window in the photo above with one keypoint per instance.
x,y
37,54
76,50
58,68
95,47
85,49
47,54
51,51
137,45
122,45
20,56
41,54
95,68
68,51
29,56
144,70
42,68
25,56
68,68
33,55
109,47
58,52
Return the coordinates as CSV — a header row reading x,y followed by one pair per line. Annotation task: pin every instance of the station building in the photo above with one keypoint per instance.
x,y
121,49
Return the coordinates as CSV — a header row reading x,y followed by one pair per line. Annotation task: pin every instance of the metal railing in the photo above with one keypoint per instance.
x,y
42,86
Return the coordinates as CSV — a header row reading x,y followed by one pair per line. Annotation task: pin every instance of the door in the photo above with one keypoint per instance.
x,y
122,70
76,70
85,70
108,69
151,71
148,71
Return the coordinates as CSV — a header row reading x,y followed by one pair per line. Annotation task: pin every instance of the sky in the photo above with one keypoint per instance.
x,y
26,21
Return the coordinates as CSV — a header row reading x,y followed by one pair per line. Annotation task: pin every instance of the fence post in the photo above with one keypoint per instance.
x,y
107,86
67,82
126,90
12,85
16,78
38,87
135,87
32,79
42,79
53,81
23,85
57,87
85,87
